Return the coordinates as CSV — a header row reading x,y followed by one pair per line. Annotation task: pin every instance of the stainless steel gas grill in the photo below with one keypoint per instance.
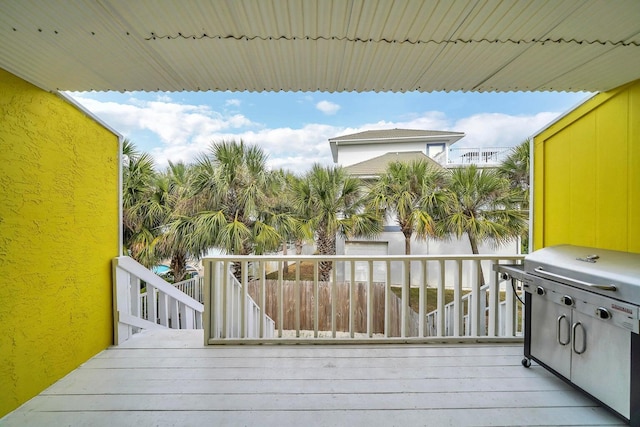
x,y
582,320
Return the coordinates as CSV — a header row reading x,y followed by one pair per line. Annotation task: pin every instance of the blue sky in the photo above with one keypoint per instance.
x,y
293,128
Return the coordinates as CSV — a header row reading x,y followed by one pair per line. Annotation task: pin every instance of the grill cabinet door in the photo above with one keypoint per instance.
x,y
601,363
551,332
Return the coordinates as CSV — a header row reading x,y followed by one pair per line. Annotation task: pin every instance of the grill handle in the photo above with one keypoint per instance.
x,y
584,338
560,318
575,281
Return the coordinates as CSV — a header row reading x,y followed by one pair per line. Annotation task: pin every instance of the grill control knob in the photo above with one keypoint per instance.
x,y
540,290
603,313
567,300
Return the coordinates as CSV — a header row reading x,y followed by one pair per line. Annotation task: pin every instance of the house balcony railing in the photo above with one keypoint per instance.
x,y
486,156
417,298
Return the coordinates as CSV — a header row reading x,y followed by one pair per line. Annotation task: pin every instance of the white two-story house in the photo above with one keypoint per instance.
x,y
367,154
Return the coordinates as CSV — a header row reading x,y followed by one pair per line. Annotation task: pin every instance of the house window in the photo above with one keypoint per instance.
x,y
434,149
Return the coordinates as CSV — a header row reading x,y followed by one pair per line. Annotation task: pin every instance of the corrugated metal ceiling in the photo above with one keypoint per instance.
x,y
322,45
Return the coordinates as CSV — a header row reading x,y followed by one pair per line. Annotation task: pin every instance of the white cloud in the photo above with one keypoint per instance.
x,y
500,130
175,124
327,107
184,131
233,102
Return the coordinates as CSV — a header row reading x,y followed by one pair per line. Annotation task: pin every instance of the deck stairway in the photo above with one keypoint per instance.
x,y
143,300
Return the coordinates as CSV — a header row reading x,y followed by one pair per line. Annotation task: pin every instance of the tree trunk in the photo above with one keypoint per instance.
x,y
326,246
178,266
285,265
407,251
407,244
474,249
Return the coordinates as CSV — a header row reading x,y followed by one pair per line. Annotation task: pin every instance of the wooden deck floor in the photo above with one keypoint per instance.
x,y
169,378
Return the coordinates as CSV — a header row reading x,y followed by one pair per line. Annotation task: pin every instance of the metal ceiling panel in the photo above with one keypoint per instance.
x,y
322,45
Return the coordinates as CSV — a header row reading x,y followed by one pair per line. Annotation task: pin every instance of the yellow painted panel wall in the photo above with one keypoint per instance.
x,y
633,168
587,175
58,233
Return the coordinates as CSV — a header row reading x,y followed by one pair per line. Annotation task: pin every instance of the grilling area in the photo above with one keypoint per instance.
x,y
582,322
463,368
550,339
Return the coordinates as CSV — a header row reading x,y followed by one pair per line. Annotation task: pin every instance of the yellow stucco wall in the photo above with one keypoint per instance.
x,y
587,175
58,234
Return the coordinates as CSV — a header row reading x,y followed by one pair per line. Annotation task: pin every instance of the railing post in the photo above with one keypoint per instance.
x,y
387,301
334,298
211,275
122,331
405,298
370,300
298,292
474,308
173,313
183,317
163,309
494,300
511,313
316,303
352,299
262,298
457,300
280,298
204,283
440,302
422,300
242,299
223,299
134,288
152,305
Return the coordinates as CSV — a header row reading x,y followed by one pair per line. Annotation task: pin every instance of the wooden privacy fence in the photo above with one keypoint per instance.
x,y
305,293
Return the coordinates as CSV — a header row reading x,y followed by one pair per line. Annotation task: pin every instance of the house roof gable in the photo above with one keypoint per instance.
x,y
384,135
375,167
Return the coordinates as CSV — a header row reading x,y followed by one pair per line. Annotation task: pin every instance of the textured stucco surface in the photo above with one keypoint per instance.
x,y
58,234
587,175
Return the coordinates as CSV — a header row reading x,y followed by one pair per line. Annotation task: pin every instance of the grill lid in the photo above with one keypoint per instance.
x,y
606,272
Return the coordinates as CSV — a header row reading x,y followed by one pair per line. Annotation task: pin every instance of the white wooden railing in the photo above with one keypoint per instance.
x,y
478,156
516,324
482,313
161,306
231,309
192,287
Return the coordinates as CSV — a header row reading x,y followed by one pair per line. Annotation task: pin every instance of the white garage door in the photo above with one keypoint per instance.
x,y
362,268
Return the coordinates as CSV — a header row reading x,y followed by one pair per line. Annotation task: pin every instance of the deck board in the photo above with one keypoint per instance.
x,y
169,378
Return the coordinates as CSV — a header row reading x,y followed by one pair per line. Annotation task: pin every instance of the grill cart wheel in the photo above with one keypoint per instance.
x,y
526,362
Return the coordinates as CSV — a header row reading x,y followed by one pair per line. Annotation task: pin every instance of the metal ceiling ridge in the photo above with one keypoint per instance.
x,y
199,90
154,36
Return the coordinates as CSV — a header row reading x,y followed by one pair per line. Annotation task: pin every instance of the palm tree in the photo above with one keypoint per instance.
x,y
409,191
171,200
140,224
516,168
230,199
333,203
291,225
482,205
